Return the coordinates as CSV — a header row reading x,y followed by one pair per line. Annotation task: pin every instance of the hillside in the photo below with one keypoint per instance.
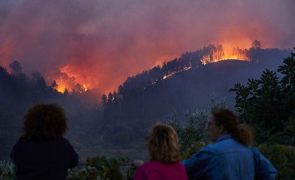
x,y
180,86
177,87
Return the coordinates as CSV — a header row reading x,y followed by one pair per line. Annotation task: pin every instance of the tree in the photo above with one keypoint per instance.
x,y
269,102
16,67
256,44
288,83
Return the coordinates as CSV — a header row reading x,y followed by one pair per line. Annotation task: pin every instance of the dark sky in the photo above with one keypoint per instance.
x,y
100,43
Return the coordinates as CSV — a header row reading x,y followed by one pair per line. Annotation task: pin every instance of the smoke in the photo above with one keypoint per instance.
x,y
100,43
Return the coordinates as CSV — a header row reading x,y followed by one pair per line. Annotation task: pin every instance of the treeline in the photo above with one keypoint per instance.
x,y
178,87
19,91
268,103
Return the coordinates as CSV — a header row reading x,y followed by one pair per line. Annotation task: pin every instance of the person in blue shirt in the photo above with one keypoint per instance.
x,y
231,155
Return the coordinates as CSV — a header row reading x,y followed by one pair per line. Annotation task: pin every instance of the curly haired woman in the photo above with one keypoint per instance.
x,y
42,153
164,156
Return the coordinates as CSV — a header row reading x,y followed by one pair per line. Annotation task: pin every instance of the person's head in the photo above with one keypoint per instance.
x,y
44,122
223,121
163,144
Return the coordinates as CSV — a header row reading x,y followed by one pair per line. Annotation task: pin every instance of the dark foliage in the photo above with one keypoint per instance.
x,y
180,86
18,92
268,103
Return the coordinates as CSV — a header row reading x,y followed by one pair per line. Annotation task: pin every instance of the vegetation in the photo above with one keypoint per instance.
x,y
6,170
100,168
282,157
267,104
192,131
139,102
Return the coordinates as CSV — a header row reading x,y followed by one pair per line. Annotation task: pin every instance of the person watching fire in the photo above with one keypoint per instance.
x,y
231,155
164,154
42,153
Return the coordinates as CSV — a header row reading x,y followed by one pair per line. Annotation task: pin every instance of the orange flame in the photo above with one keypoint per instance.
x,y
70,81
221,54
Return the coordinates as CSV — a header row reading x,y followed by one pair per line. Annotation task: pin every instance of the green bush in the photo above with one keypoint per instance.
x,y
84,173
282,157
100,167
187,153
192,131
6,170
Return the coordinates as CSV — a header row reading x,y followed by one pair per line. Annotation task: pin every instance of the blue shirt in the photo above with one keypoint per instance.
x,y
230,160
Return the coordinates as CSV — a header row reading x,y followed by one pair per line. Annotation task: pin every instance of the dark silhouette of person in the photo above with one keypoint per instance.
x,y
231,155
42,153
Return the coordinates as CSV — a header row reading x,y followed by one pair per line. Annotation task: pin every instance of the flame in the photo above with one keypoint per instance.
x,y
60,87
219,53
71,81
85,87
173,73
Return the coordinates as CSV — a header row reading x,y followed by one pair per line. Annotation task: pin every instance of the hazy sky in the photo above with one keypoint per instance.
x,y
101,42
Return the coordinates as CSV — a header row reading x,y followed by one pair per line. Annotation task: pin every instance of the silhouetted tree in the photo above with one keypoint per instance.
x,y
54,85
256,44
15,67
268,103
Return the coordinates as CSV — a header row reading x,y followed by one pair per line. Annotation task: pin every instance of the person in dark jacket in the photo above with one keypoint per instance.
x,y
42,153
231,155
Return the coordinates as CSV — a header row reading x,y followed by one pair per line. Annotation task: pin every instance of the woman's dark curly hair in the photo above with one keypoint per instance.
x,y
45,122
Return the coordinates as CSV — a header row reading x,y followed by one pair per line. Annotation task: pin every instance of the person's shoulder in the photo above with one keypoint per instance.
x,y
22,141
179,165
20,145
63,141
224,144
144,166
209,149
151,165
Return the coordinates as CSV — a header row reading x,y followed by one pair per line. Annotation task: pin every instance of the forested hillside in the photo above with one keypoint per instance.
x,y
176,88
19,91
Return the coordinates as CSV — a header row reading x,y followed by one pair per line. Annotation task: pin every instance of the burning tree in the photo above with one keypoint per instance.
x,y
217,53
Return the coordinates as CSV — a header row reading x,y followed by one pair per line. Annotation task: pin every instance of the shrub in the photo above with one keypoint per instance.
x,y
100,167
6,170
282,157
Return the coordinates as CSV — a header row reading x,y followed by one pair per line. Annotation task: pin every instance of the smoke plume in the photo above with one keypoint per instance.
x,y
100,43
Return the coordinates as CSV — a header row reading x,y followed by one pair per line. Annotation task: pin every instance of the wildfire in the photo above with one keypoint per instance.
x,y
60,87
70,81
218,53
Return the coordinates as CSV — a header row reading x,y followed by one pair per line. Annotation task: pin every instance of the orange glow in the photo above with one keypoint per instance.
x,y
60,87
70,81
85,87
6,51
164,58
173,73
73,77
221,54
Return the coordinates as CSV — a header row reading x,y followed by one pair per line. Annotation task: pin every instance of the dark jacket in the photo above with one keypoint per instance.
x,y
43,160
